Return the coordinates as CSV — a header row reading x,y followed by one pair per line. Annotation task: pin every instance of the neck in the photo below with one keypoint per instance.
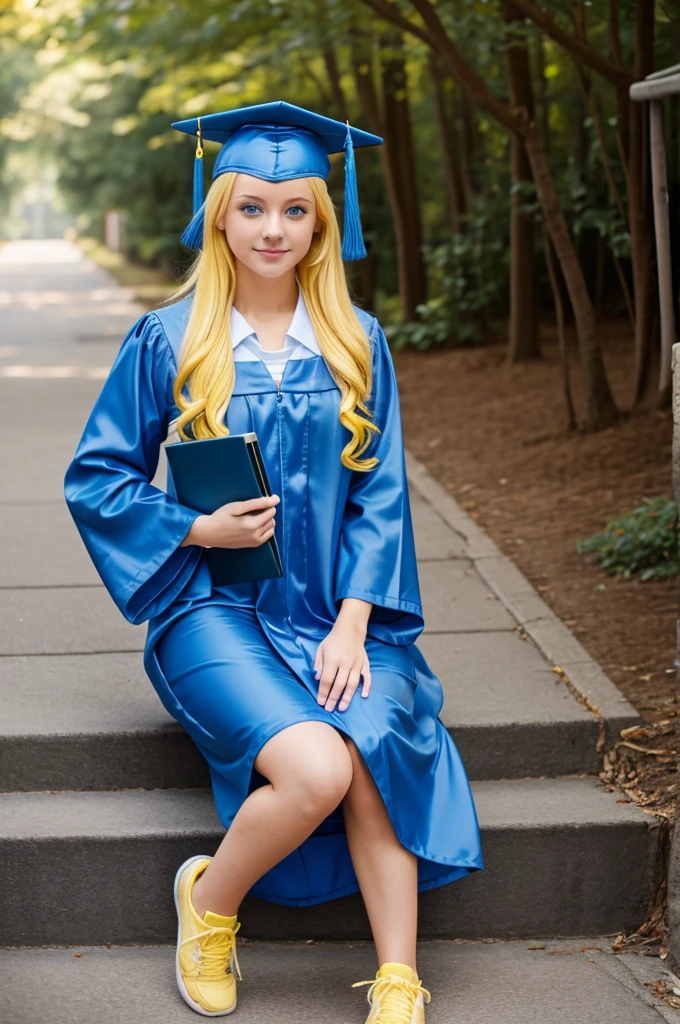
x,y
264,297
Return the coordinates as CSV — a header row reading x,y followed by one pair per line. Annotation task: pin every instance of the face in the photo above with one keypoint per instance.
x,y
270,224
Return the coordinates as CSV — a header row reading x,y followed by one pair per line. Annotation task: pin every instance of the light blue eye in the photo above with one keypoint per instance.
x,y
250,208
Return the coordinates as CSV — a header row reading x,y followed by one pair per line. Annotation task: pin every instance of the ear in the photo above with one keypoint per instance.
x,y
219,224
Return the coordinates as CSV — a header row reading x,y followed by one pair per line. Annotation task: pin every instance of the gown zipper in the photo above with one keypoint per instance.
x,y
278,417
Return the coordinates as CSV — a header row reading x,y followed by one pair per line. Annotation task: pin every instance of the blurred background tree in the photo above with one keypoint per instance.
x,y
513,178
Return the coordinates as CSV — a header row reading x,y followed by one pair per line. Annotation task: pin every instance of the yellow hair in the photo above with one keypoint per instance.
x,y
206,358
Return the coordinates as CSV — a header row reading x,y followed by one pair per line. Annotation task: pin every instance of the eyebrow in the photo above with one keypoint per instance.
x,y
296,199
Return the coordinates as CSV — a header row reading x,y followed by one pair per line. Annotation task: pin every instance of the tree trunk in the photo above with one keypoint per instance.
x,y
364,83
365,281
523,342
543,98
401,177
333,73
361,57
601,409
450,143
469,149
561,333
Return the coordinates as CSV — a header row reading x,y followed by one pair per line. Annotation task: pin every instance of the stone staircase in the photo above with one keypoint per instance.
x,y
102,795
96,778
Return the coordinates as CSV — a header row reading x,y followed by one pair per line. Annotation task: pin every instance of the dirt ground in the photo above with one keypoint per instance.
x,y
495,436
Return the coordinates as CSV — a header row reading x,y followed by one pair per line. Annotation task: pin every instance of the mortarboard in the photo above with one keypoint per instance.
x,y
278,141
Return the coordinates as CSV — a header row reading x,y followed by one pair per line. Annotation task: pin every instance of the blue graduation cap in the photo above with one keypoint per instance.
x,y
278,141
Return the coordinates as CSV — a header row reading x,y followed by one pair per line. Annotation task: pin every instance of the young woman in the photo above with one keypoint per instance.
x,y
316,712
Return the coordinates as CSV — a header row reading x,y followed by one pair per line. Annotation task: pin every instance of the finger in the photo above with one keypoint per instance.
x,y
339,685
260,518
266,501
330,670
350,690
366,673
265,531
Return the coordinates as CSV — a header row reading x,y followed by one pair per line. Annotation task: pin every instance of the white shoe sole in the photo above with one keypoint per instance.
x,y
180,983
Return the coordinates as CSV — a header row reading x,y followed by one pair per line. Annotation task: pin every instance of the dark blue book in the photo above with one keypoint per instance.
x,y
210,473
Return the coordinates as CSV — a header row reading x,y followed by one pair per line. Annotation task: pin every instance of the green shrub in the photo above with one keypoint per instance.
x,y
468,277
643,541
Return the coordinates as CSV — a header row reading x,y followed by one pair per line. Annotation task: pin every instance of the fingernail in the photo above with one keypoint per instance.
x,y
342,706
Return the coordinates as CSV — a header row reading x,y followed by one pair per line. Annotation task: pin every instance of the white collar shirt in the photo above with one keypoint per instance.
x,y
300,341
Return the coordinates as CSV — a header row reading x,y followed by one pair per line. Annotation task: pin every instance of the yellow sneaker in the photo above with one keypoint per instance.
x,y
396,997
206,949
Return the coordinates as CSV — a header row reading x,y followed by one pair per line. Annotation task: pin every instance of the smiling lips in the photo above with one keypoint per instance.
x,y
271,252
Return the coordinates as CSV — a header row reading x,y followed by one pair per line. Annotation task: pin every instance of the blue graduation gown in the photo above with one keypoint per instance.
x,y
247,650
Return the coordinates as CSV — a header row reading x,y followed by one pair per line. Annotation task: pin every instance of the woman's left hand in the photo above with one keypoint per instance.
x,y
341,659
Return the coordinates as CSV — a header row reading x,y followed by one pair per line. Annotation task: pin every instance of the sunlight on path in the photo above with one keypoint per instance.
x,y
53,372
47,250
63,317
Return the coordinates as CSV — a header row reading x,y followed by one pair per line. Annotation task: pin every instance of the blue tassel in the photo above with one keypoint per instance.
x,y
192,236
198,172
352,239
198,183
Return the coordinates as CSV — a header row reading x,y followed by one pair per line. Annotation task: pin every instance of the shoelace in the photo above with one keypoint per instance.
x,y
398,997
214,946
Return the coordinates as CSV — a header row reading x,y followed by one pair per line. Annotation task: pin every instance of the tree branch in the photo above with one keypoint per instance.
x,y
577,47
463,72
615,32
390,12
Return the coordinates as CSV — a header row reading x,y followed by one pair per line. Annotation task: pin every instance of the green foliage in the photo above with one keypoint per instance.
x,y
589,206
468,280
643,541
92,86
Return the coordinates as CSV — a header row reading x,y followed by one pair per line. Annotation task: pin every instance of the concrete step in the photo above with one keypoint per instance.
x,y
562,856
93,721
565,982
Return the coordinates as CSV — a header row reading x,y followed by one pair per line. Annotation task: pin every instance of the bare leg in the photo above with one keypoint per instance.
x,y
309,770
387,873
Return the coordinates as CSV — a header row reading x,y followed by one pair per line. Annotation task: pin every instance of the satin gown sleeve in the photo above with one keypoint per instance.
x,y
376,557
131,529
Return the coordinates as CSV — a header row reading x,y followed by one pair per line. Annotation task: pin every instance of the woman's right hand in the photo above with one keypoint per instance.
x,y
238,524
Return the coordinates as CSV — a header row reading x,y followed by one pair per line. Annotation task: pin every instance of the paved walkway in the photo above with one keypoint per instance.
x,y
528,735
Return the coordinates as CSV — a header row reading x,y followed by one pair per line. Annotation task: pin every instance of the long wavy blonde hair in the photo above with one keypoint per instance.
x,y
206,358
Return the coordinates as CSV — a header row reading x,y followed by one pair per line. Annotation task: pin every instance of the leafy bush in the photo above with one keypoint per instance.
x,y
468,280
644,540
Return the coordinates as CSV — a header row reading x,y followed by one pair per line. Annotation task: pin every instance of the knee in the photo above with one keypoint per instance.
x,y
321,785
311,764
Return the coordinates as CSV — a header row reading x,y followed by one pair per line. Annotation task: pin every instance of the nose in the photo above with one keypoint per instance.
x,y
273,227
